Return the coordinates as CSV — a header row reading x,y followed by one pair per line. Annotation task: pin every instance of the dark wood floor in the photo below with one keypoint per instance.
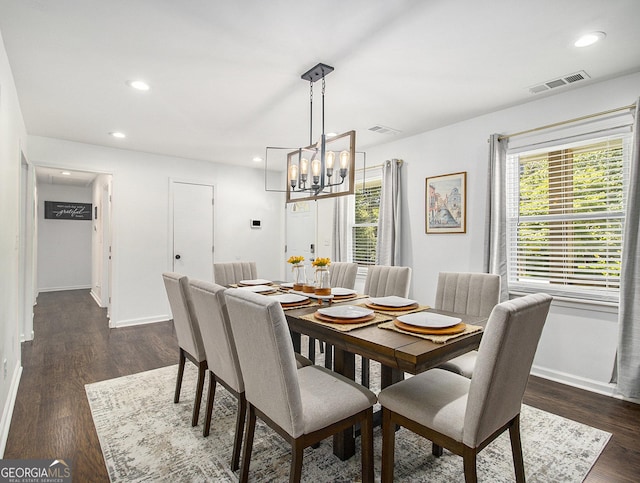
x,y
74,346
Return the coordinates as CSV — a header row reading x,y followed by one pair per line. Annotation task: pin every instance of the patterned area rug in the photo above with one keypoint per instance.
x,y
146,437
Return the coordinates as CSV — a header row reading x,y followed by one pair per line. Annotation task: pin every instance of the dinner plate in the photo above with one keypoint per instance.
x,y
256,281
258,288
429,319
340,291
287,285
290,298
345,312
392,301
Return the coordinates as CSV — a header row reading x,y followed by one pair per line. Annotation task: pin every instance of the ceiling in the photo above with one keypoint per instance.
x,y
225,76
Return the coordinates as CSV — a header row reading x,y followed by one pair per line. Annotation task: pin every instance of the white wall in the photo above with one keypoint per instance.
x,y
579,341
12,141
140,218
64,246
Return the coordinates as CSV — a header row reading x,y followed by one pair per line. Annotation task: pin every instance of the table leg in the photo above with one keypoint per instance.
x,y
344,444
389,375
297,342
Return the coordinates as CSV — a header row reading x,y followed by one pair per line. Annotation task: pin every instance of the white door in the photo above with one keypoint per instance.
x,y
301,233
193,230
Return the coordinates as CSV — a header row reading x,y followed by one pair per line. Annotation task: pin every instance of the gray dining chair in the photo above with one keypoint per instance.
x,y
188,334
384,281
465,415
229,273
471,294
303,406
222,359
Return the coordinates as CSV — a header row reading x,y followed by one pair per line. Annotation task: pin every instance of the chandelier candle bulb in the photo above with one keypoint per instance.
x,y
315,171
330,160
344,163
293,175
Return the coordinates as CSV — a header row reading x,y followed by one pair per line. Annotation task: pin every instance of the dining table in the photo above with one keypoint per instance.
x,y
398,353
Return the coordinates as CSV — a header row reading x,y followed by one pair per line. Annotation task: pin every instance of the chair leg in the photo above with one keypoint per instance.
x,y
469,458
436,450
210,397
328,357
237,442
202,369
366,442
176,397
248,443
388,446
297,453
516,449
365,372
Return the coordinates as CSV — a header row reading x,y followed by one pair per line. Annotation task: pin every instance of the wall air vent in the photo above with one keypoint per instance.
x,y
383,129
559,82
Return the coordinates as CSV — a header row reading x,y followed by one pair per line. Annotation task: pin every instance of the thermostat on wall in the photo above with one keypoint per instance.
x,y
256,224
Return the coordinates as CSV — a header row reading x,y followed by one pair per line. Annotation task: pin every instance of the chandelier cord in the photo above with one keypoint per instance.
x,y
310,112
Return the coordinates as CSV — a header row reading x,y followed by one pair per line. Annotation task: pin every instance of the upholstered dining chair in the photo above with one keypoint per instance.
x,y
232,272
466,293
343,274
222,359
383,281
465,415
303,406
188,334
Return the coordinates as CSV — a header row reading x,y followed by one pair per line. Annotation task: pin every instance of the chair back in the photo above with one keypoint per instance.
x,y
233,272
211,311
266,358
383,281
343,274
502,367
184,318
468,293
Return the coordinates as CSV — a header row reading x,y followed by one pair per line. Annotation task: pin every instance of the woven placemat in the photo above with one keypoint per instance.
x,y
436,339
396,313
379,318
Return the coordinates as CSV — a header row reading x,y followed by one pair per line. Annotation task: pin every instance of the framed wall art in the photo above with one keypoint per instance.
x,y
446,203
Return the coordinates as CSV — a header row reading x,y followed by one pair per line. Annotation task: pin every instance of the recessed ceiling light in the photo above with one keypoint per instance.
x,y
119,135
589,39
66,173
138,84
257,159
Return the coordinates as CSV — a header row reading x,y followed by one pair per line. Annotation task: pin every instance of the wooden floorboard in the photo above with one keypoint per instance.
x,y
74,346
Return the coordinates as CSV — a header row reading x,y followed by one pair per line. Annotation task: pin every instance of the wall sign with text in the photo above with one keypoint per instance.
x,y
66,210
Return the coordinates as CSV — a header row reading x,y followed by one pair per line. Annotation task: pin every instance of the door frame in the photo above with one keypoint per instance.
x,y
170,250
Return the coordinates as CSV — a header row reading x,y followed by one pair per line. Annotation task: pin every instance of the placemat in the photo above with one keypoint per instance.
x,y
347,327
436,339
396,313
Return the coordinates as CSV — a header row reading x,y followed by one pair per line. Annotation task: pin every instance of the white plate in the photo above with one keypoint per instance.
x,y
430,320
391,301
342,291
257,281
345,312
290,298
259,288
287,285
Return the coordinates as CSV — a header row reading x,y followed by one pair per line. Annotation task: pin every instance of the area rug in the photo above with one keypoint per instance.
x,y
146,437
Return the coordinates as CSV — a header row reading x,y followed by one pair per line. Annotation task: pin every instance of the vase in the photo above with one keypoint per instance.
x,y
323,281
299,276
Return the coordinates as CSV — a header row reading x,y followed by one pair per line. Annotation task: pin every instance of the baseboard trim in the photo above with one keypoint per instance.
x,y
60,289
7,412
140,321
96,298
607,389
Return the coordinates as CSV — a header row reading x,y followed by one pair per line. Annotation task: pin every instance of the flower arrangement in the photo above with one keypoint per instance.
x,y
295,259
321,262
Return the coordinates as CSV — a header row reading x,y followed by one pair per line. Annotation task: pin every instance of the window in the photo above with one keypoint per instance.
x,y
364,231
565,216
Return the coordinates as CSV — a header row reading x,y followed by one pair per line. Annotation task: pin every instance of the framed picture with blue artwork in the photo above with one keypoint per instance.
x,y
446,203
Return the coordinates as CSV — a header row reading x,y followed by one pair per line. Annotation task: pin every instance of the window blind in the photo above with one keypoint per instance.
x,y
565,217
364,231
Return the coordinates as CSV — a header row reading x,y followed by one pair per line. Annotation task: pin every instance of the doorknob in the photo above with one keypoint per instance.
x,y
177,257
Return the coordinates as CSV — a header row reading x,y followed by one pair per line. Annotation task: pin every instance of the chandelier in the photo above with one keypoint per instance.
x,y
324,168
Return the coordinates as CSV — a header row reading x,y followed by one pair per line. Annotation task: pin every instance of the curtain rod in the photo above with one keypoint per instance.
x,y
556,124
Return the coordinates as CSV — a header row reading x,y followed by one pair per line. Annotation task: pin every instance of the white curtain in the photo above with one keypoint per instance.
x,y
495,225
388,246
340,242
628,362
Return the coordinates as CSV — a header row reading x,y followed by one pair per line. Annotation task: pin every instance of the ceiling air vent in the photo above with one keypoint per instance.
x,y
561,81
383,129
